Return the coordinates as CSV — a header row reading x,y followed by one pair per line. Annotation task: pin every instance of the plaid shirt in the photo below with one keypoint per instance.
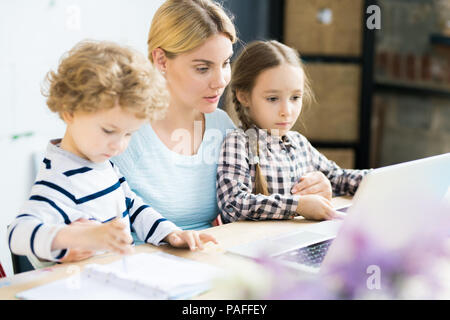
x,y
282,161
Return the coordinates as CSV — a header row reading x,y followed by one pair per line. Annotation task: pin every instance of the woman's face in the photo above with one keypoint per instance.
x,y
197,79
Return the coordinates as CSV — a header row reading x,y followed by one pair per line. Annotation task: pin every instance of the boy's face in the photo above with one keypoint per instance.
x,y
98,136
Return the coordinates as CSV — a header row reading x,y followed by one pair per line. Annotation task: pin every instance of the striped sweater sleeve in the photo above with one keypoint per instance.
x,y
32,232
150,226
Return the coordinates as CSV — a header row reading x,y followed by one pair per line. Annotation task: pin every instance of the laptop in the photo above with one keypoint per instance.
x,y
391,204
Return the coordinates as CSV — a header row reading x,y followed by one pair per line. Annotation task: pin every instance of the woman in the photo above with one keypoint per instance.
x,y
171,163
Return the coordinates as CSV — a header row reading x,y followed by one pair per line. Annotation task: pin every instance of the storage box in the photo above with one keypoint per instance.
x,y
334,116
344,158
324,27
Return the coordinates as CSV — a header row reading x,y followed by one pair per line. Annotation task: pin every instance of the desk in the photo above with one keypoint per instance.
x,y
227,235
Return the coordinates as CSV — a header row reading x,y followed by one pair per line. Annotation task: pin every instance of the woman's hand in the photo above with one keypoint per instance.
x,y
313,183
315,207
189,239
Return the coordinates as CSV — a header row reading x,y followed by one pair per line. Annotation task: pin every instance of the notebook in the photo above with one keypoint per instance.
x,y
141,276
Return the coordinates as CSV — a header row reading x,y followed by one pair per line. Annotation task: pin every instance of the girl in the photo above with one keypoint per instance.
x,y
266,171
172,163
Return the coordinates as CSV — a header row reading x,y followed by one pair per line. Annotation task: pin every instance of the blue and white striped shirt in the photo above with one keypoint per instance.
x,y
69,188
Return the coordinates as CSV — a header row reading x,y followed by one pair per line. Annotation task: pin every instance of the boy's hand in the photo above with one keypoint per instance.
x,y
315,207
313,183
112,236
189,238
79,254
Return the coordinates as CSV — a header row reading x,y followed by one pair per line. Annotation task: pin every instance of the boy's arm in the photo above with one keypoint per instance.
x,y
150,225
234,187
34,228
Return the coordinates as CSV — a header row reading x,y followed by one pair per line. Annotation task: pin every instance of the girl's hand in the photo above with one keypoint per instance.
x,y
189,239
315,207
313,183
112,236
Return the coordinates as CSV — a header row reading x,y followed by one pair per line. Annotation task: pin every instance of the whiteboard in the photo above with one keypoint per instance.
x,y
34,34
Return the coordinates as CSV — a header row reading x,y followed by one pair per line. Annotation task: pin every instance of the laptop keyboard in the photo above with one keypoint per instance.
x,y
311,255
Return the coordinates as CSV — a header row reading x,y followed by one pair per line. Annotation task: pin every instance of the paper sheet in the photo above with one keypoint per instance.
x,y
142,276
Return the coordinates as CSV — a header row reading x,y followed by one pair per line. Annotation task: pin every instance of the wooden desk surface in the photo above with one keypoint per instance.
x,y
227,235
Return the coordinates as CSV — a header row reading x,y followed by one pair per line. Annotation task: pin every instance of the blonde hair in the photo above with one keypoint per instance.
x,y
179,26
257,57
97,75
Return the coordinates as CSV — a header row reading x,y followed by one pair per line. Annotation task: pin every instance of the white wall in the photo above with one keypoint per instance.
x,y
34,34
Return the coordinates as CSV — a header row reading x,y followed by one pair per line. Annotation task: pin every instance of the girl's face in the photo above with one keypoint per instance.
x,y
98,136
276,99
197,79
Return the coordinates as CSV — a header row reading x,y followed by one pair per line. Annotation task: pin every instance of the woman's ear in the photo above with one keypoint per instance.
x,y
160,60
243,98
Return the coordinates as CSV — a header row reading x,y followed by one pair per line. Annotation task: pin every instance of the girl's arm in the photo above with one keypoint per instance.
x,y
234,187
343,181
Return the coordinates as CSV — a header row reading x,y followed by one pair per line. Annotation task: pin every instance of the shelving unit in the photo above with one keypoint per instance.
x,y
440,39
411,82
403,87
361,147
419,88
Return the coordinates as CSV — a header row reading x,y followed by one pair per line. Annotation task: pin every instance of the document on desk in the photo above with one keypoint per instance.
x,y
147,276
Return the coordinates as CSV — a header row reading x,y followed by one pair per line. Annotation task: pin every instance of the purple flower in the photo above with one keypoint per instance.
x,y
367,267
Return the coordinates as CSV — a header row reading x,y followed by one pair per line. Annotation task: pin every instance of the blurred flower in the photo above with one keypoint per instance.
x,y
244,280
363,268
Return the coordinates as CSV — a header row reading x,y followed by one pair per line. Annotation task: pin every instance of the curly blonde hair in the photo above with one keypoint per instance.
x,y
98,75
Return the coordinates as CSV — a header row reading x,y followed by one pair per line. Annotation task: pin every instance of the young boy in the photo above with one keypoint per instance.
x,y
80,203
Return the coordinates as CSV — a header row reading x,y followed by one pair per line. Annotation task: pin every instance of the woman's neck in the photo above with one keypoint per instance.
x,y
180,118
181,130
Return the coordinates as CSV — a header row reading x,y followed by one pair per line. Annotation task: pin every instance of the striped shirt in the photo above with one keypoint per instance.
x,y
69,188
283,162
